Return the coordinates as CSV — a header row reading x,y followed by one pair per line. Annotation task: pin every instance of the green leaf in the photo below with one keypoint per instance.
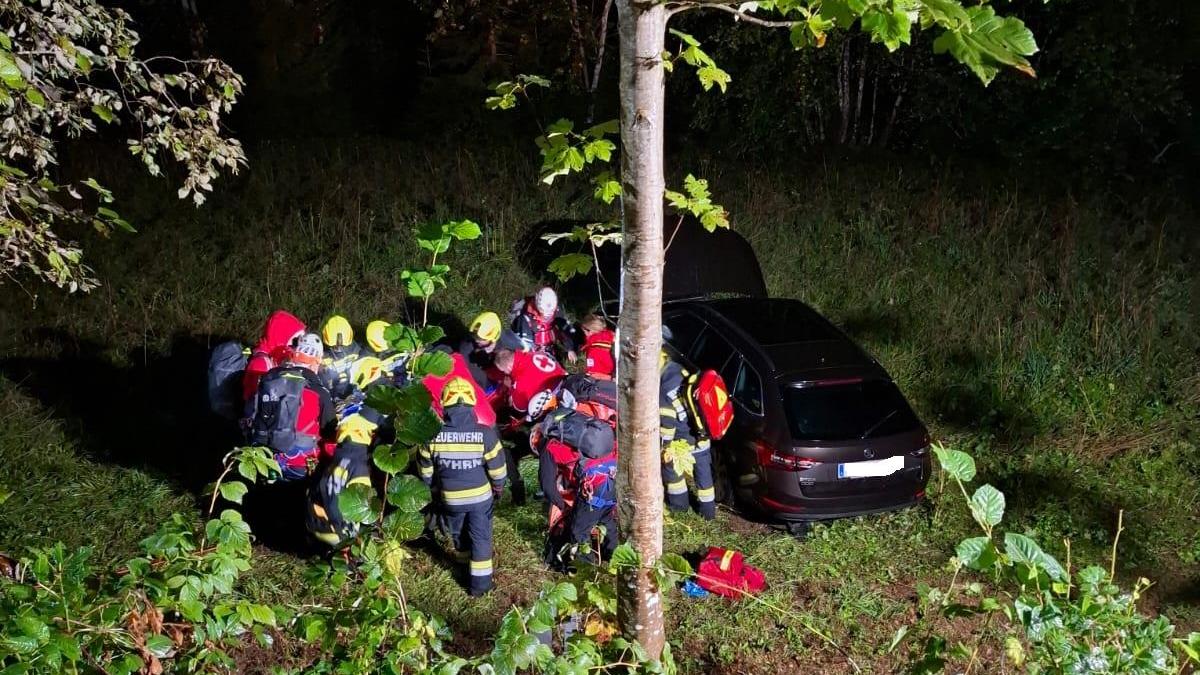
x,y
159,645
464,230
430,334
977,553
567,266
401,338
391,459
987,506
10,73
896,638
233,491
358,504
418,428
433,237
404,526
263,614
408,493
559,127
599,149
418,283
1022,549
946,13
713,218
400,401
1014,651
607,187
892,28
20,644
432,363
314,628
957,463
625,556
710,75
562,593
35,97
677,568
687,39
603,129
989,43
103,112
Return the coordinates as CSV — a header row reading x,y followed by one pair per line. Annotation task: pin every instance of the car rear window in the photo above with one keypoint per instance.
x,y
837,412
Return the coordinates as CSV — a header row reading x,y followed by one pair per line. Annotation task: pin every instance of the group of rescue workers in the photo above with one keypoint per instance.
x,y
303,396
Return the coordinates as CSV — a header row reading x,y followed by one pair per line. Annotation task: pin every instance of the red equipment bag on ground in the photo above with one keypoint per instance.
x,y
724,572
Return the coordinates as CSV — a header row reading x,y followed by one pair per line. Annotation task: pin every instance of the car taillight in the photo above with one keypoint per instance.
x,y
769,457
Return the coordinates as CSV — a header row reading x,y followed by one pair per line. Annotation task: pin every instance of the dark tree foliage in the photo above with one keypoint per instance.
x,y
1109,101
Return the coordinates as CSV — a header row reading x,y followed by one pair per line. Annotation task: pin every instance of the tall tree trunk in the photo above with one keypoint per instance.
x,y
601,39
580,42
642,27
844,90
874,98
862,74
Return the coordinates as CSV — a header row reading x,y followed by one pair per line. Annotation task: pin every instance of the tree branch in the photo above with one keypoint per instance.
x,y
738,14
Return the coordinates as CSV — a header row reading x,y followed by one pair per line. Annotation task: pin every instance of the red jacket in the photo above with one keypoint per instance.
x,y
598,355
278,332
484,413
532,372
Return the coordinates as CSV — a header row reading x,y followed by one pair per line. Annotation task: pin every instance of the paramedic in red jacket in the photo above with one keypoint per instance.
x,y
539,323
527,374
280,333
598,348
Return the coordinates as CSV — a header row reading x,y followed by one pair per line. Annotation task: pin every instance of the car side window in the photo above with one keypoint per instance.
x,y
711,351
747,389
684,327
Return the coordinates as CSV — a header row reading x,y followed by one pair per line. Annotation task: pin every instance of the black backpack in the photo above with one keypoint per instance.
x,y
276,409
225,368
591,390
591,437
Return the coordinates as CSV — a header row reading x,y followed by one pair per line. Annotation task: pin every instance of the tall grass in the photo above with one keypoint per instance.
x,y
1055,335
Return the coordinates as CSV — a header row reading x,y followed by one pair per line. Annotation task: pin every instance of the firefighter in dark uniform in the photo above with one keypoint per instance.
x,y
677,423
351,463
341,351
464,465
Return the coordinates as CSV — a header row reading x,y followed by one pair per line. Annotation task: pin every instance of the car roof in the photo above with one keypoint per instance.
x,y
799,343
775,321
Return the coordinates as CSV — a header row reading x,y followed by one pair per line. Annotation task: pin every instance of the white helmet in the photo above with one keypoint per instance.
x,y
541,403
546,301
310,345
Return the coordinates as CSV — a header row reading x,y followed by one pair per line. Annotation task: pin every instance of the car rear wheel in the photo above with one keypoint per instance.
x,y
721,484
798,529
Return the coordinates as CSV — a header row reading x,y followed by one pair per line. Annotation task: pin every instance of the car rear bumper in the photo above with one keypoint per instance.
x,y
810,512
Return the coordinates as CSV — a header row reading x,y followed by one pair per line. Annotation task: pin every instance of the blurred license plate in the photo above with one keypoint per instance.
x,y
879,467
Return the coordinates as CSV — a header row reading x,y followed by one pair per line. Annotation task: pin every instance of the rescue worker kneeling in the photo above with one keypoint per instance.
x,y
351,464
464,465
577,464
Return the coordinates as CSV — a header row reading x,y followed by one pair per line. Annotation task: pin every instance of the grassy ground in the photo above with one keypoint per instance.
x,y
1056,340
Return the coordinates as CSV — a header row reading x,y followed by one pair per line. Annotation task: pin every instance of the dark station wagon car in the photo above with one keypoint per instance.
x,y
820,430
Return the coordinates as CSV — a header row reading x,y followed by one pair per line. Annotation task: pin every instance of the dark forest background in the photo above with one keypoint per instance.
x,y
1113,101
